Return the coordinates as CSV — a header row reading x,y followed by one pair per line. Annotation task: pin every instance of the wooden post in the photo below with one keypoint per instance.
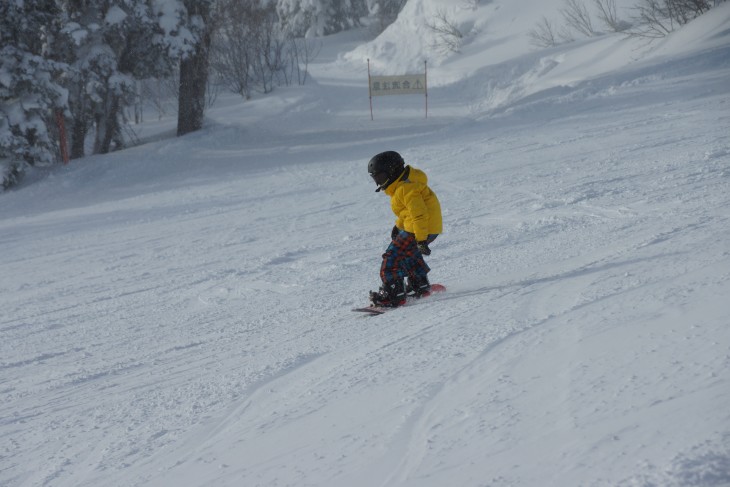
x,y
425,73
370,91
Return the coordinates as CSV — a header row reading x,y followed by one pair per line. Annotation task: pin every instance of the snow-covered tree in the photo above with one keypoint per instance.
x,y
384,11
83,60
30,89
116,43
305,18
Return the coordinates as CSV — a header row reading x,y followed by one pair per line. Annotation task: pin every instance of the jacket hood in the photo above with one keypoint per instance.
x,y
412,175
418,176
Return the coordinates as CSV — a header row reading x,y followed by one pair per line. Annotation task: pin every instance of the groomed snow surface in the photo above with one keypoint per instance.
x,y
178,314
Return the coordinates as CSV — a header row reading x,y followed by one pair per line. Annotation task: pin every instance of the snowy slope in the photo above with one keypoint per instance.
x,y
178,313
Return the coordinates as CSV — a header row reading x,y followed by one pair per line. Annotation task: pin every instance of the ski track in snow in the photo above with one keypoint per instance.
x,y
195,330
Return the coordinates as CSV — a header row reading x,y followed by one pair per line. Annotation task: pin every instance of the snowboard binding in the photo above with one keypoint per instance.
x,y
390,295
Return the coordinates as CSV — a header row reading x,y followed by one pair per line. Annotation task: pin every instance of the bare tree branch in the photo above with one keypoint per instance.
x,y
543,34
577,17
608,14
657,18
449,36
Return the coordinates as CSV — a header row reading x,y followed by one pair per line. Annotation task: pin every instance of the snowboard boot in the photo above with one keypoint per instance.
x,y
419,286
390,295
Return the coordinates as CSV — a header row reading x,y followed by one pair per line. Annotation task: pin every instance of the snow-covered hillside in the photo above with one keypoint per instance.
x,y
179,313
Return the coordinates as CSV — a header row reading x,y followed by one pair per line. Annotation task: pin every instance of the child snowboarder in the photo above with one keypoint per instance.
x,y
418,223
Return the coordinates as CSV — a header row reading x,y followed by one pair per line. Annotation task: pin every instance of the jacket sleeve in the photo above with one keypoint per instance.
x,y
418,213
398,211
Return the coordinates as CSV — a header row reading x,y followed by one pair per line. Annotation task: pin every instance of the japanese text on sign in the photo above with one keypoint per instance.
x,y
407,84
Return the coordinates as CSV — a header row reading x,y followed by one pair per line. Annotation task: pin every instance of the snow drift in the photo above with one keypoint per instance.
x,y
178,313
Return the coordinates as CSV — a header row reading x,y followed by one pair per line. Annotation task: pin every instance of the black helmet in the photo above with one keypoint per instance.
x,y
385,168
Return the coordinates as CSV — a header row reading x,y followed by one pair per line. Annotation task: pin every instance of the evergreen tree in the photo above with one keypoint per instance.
x,y
30,91
117,42
304,18
82,60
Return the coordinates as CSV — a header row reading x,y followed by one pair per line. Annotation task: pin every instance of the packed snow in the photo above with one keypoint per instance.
x,y
178,313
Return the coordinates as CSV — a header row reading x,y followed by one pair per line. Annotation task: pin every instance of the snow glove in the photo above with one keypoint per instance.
x,y
423,247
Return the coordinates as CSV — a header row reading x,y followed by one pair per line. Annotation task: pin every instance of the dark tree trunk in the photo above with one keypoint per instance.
x,y
79,130
194,76
107,126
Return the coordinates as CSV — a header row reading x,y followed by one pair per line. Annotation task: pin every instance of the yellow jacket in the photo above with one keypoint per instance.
x,y
416,207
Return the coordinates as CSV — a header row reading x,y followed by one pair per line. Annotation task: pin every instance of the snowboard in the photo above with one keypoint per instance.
x,y
374,310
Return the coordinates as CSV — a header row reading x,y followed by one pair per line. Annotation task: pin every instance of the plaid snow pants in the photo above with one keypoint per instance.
x,y
402,259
